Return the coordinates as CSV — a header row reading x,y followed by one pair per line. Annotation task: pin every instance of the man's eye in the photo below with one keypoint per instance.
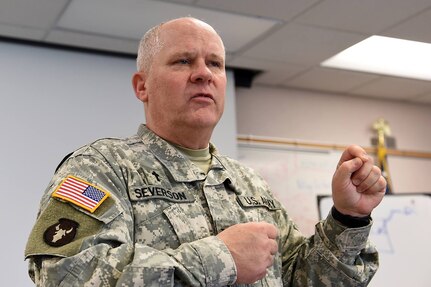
x,y
183,61
216,64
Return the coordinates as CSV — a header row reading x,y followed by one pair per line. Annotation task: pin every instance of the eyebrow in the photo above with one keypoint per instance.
x,y
183,54
217,56
193,54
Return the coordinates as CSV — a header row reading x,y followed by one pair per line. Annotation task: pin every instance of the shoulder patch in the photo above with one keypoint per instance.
x,y
81,193
60,230
61,233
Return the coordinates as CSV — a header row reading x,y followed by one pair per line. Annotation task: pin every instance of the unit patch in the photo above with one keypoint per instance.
x,y
61,233
158,192
81,193
57,232
257,201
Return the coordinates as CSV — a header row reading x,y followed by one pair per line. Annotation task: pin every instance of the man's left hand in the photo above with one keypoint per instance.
x,y
358,185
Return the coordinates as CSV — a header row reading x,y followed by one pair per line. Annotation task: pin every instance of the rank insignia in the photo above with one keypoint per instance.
x,y
81,193
60,233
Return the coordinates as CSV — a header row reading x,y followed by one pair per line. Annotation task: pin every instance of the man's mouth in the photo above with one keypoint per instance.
x,y
203,95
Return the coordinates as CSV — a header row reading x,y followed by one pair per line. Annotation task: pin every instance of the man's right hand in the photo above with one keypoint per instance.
x,y
253,246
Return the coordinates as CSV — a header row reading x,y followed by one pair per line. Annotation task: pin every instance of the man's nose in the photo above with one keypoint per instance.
x,y
201,72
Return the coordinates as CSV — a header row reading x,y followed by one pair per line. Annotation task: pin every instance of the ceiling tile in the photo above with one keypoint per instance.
x,y
107,17
182,1
416,28
365,16
21,32
395,88
330,80
275,9
301,44
93,41
34,13
127,19
252,63
273,73
277,77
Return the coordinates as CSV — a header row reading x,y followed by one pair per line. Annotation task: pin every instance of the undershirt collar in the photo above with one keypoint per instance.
x,y
200,157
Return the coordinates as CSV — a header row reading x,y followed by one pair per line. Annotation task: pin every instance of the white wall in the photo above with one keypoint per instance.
x,y
337,119
52,102
331,118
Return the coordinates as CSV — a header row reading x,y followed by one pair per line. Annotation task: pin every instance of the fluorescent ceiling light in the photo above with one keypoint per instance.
x,y
387,56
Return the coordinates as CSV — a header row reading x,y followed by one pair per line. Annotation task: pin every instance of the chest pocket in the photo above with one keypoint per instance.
x,y
162,215
262,208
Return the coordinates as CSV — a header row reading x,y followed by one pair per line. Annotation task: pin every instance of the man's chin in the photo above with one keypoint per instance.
x,y
204,120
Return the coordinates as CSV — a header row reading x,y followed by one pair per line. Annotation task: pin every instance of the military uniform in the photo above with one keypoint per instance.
x,y
155,216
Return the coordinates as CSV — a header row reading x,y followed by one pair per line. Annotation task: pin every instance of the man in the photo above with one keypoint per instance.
x,y
163,208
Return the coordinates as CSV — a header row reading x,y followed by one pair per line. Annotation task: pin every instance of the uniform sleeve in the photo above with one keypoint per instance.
x,y
335,254
102,251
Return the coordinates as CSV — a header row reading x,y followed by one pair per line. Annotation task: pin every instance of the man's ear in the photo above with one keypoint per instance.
x,y
138,83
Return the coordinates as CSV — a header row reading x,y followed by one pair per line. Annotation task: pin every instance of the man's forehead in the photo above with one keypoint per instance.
x,y
185,26
188,43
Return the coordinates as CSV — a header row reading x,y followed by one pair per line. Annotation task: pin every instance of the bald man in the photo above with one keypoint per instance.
x,y
164,208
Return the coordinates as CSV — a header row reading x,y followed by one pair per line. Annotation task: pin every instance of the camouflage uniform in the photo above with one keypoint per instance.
x,y
158,226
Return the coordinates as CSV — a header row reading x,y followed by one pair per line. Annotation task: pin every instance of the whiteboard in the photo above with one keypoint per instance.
x,y
401,232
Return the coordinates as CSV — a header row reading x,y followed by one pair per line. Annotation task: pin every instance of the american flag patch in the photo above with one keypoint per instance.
x,y
81,193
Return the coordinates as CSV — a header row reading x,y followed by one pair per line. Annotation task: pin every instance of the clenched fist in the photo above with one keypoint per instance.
x,y
358,185
253,246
